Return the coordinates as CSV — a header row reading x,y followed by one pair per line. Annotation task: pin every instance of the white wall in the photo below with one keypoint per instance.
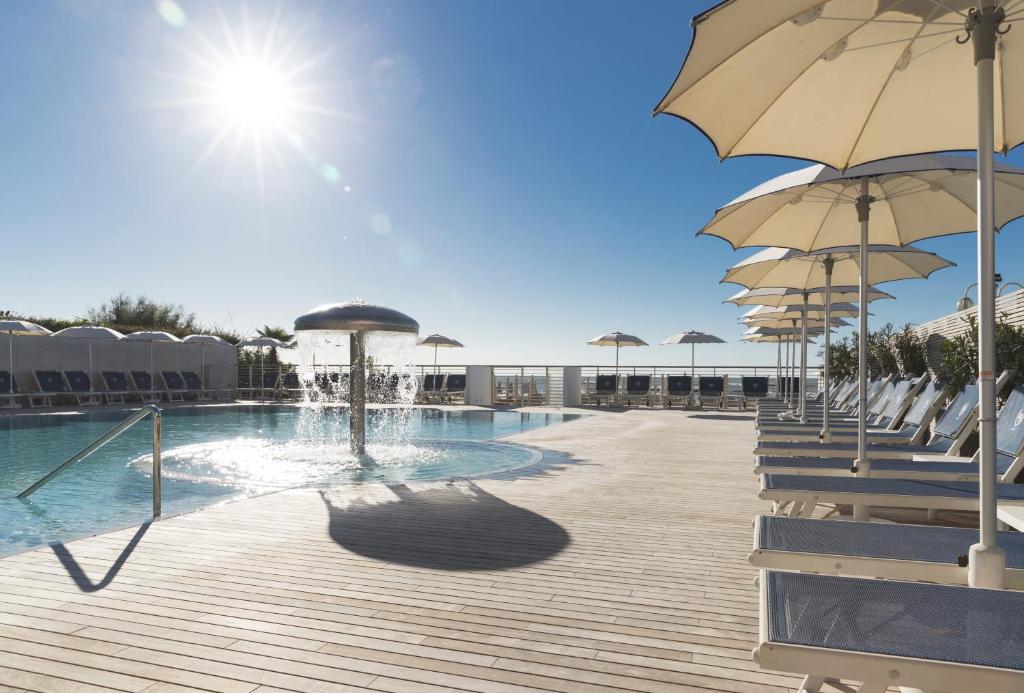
x,y
69,353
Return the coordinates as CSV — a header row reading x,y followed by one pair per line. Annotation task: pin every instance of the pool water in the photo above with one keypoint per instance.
x,y
218,453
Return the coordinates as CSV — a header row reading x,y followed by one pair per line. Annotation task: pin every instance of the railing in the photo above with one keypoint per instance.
x,y
147,410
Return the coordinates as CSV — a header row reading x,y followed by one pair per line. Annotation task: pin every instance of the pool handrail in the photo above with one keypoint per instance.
x,y
147,410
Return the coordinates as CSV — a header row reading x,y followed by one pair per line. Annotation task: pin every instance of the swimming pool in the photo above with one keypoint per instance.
x,y
217,453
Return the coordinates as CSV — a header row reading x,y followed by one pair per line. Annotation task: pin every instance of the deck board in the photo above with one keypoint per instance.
x,y
620,565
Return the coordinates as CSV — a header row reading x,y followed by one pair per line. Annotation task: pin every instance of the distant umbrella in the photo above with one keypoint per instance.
x,y
151,336
693,338
21,328
617,339
439,341
260,342
813,311
779,296
92,333
205,340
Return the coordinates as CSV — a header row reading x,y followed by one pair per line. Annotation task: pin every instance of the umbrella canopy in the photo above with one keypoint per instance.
x,y
89,332
260,341
694,337
780,296
440,341
911,198
781,267
206,339
845,83
793,322
22,327
841,82
812,311
617,339
151,336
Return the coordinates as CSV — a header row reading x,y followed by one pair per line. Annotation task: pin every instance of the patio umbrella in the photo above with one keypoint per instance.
x,y
260,342
782,322
617,339
693,338
844,83
18,327
151,336
779,336
786,268
779,296
813,311
439,341
205,340
92,333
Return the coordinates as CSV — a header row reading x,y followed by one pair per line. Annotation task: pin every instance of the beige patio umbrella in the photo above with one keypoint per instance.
x,y
812,311
205,340
846,82
780,296
151,336
779,336
693,338
786,268
92,333
439,341
617,339
17,327
259,341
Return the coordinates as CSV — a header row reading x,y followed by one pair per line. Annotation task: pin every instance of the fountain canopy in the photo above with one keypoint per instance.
x,y
356,316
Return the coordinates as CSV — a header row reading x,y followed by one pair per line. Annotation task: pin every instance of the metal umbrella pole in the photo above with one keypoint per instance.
x,y
987,564
10,359
778,369
803,364
862,465
826,436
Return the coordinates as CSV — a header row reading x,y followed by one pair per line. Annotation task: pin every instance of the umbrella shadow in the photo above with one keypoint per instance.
x,y
78,574
454,525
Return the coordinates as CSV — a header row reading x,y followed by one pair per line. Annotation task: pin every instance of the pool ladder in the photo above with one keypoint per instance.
x,y
147,410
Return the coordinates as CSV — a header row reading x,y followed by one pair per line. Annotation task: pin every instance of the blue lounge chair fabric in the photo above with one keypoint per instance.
x,y
51,382
144,386
9,394
930,544
754,386
80,385
605,384
679,385
115,381
638,384
456,382
433,383
940,623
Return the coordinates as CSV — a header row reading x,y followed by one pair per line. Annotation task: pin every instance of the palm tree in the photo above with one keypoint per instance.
x,y
274,333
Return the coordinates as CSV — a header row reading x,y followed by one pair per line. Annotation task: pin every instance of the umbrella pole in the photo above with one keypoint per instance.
x,y
785,374
826,436
803,365
987,563
778,370
693,368
435,365
862,465
10,359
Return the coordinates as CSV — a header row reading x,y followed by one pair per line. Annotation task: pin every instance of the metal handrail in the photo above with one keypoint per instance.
x,y
147,410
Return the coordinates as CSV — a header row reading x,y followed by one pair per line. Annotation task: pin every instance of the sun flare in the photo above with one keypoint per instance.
x,y
252,96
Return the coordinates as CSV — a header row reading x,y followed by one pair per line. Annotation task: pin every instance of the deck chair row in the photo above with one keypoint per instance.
x,y
824,612
56,386
712,391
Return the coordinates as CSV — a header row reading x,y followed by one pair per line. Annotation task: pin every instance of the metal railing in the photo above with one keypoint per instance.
x,y
147,410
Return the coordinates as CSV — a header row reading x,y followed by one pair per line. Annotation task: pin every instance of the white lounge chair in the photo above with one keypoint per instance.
x,y
951,432
869,549
887,633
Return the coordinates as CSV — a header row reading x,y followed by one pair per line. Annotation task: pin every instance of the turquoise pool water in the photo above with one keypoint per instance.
x,y
214,454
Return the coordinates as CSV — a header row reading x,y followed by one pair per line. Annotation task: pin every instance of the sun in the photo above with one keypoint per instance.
x,y
253,97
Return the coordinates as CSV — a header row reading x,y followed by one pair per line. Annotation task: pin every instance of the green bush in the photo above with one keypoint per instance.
x,y
960,353
910,351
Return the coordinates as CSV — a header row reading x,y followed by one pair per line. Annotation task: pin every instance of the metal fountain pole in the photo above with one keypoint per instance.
x,y
803,365
826,435
357,393
862,465
987,564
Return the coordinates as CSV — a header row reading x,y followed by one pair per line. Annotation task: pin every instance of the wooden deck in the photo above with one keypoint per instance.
x,y
620,566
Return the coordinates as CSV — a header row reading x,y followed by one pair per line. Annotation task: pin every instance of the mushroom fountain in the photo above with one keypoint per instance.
x,y
357,319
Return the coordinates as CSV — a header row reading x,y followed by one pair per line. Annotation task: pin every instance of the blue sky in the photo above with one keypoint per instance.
x,y
490,168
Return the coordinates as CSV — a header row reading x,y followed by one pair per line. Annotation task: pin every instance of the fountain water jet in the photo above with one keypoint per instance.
x,y
358,319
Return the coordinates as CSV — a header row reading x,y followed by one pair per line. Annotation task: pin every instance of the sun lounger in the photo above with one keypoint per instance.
x,y
710,390
754,388
887,633
9,391
269,384
678,388
432,387
291,386
869,549
117,387
174,386
638,387
604,386
951,432
906,415
51,386
194,386
454,386
80,386
143,383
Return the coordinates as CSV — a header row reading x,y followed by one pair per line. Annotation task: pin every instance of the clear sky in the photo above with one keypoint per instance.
x,y
490,168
